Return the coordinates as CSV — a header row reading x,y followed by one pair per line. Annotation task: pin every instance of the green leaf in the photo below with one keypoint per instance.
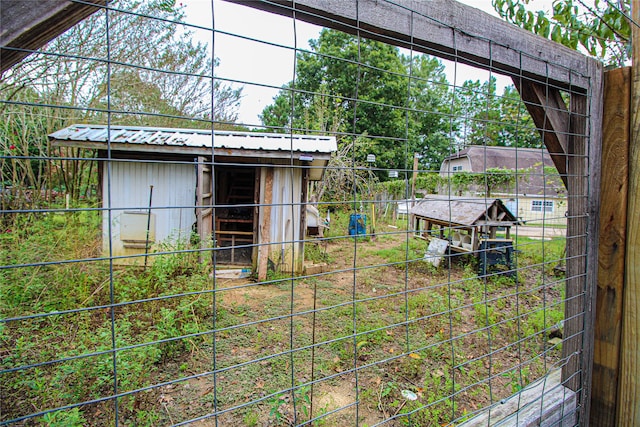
x,y
556,33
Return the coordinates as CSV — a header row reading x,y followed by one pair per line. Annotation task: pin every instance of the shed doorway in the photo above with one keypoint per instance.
x,y
236,198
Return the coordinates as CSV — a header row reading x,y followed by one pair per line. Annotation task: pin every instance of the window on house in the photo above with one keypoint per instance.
x,y
542,205
457,168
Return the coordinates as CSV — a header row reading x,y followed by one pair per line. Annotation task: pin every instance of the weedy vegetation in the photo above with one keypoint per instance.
x,y
168,343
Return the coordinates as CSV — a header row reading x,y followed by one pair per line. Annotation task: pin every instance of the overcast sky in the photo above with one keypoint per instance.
x,y
248,61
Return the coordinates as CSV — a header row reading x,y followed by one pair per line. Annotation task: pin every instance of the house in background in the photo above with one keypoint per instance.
x,y
164,184
536,195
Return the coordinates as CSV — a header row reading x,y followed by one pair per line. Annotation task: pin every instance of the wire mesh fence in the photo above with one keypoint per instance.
x,y
383,240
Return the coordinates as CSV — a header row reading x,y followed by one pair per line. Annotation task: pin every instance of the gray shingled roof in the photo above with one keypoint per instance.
x,y
487,157
466,211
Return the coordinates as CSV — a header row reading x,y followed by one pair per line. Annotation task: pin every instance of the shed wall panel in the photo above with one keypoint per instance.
x,y
172,201
285,224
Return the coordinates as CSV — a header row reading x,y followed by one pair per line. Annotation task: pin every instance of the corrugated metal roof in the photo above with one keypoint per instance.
x,y
197,138
460,211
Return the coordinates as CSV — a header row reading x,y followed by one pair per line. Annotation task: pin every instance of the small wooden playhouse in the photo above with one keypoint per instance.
x,y
468,224
162,186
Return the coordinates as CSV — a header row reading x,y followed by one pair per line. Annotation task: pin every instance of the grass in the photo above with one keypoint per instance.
x,y
410,327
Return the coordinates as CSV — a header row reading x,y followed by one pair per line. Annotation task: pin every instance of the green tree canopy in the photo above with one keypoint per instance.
x,y
486,118
156,70
158,76
361,87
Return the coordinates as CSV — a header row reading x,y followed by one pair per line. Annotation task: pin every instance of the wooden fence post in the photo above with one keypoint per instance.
x,y
265,226
611,246
629,389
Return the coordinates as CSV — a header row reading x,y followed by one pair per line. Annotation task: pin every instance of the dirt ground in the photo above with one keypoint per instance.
x,y
539,232
457,369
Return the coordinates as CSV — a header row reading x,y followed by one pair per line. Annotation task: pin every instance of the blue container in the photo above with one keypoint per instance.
x,y
357,224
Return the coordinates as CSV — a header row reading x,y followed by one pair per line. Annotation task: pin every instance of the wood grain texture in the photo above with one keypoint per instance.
x,y
449,30
584,157
611,247
572,371
629,390
303,221
28,24
204,208
551,117
594,150
265,226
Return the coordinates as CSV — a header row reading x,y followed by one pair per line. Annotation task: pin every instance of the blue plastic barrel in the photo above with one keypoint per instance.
x,y
357,224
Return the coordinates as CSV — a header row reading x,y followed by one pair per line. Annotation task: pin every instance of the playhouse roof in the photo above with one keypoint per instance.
x,y
464,211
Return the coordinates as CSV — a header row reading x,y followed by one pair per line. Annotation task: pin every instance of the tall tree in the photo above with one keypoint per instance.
x,y
429,125
155,68
157,76
486,118
369,89
518,129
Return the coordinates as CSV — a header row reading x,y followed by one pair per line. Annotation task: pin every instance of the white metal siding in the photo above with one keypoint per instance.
x,y
172,203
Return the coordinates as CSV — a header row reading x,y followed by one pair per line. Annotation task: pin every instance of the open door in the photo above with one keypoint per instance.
x,y
235,214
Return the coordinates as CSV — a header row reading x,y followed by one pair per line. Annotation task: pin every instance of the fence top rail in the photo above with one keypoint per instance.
x,y
443,28
449,30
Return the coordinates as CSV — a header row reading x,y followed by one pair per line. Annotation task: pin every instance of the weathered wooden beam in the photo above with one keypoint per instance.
x,y
611,247
444,28
629,387
303,220
265,225
28,25
577,227
583,179
551,117
449,30
542,403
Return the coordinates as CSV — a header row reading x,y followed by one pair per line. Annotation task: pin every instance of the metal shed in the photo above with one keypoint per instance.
x,y
464,221
161,189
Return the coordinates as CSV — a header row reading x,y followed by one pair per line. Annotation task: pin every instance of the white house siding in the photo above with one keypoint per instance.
x,y
172,204
449,165
521,206
285,222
